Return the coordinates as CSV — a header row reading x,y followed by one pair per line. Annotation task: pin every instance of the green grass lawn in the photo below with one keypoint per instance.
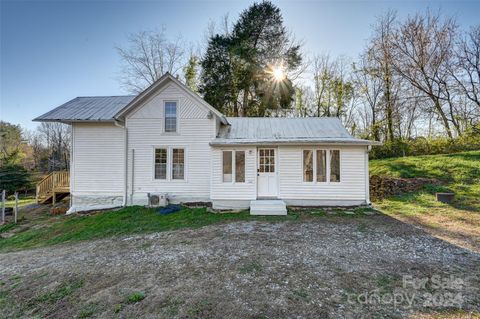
x,y
460,173
50,230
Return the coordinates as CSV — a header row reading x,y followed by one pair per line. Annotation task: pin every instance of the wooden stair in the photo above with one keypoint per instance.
x,y
53,187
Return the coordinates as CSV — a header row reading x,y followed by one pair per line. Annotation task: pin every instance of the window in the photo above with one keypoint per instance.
x,y
321,166
308,166
334,166
160,163
227,166
170,116
178,163
316,167
267,160
239,166
233,170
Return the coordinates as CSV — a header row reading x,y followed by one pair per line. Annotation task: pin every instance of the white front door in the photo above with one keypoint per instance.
x,y
267,173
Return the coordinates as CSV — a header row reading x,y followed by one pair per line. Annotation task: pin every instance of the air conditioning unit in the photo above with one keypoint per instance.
x,y
157,200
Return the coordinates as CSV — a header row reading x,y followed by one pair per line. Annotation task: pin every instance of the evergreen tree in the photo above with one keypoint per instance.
x,y
238,68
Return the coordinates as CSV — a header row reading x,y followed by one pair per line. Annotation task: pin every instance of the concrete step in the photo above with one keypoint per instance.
x,y
268,207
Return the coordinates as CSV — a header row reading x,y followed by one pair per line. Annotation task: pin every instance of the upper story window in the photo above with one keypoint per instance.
x,y
170,116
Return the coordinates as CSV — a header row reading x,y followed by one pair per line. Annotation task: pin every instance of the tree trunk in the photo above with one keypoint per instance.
x,y
439,109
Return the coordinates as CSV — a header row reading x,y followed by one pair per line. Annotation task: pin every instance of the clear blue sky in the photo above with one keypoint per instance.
x,y
51,52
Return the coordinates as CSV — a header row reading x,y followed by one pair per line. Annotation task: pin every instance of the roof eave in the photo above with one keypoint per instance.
x,y
293,142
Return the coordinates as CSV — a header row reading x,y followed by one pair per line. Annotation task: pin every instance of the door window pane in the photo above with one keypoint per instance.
x,y
239,166
308,166
321,166
266,159
178,163
161,163
335,166
227,166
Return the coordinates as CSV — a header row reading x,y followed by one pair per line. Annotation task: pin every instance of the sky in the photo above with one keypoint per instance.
x,y
53,51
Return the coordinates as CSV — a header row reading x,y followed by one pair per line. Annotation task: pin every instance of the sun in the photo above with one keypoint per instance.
x,y
278,73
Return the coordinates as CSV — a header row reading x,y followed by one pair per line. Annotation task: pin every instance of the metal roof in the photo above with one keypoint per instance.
x,y
88,108
305,130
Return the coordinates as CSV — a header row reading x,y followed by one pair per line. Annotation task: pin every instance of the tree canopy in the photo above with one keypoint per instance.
x,y
238,68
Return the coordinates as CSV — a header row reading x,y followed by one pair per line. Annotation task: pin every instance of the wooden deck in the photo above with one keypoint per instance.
x,y
54,186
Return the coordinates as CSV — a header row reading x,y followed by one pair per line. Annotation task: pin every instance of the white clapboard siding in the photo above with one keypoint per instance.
x,y
145,132
234,191
98,158
352,176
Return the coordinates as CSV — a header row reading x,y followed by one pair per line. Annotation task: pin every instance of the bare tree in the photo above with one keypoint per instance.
x,y
422,47
147,57
370,87
466,70
56,137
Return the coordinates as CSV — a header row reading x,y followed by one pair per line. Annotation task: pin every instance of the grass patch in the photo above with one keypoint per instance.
x,y
250,268
136,296
7,227
54,230
457,222
60,292
23,201
88,310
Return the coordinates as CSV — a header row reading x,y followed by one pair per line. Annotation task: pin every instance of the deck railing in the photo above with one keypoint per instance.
x,y
55,182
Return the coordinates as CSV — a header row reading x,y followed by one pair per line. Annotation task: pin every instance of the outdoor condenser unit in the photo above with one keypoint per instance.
x,y
157,200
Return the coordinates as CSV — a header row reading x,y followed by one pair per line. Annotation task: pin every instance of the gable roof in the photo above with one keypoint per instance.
x,y
112,108
152,89
87,108
268,130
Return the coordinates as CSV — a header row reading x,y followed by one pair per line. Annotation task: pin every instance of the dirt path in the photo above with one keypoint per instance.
x,y
322,268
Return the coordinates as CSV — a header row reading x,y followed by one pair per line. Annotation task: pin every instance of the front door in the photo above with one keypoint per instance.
x,y
267,174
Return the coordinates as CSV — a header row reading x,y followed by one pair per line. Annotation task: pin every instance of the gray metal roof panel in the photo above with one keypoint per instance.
x,y
264,130
87,108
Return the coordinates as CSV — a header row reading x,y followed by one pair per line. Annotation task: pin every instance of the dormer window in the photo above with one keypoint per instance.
x,y
171,117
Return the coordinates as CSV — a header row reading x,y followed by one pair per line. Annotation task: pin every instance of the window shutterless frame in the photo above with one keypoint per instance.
x,y
328,165
170,149
170,117
234,166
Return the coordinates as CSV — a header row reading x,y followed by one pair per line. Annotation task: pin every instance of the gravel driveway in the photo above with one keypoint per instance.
x,y
327,267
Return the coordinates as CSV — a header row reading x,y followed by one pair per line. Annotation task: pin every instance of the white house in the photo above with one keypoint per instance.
x,y
168,140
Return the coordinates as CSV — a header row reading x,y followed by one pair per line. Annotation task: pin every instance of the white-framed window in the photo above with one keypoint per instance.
x,y
334,166
233,166
178,163
239,166
161,163
170,116
169,163
318,164
321,165
308,165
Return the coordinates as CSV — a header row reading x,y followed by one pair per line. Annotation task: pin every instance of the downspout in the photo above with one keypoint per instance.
x,y
367,177
125,171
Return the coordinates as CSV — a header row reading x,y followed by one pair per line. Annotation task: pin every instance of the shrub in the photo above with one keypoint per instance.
x,y
427,146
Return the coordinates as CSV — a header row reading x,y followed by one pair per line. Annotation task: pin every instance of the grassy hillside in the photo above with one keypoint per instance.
x,y
460,173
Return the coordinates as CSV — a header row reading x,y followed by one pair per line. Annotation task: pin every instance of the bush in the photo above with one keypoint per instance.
x,y
426,146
